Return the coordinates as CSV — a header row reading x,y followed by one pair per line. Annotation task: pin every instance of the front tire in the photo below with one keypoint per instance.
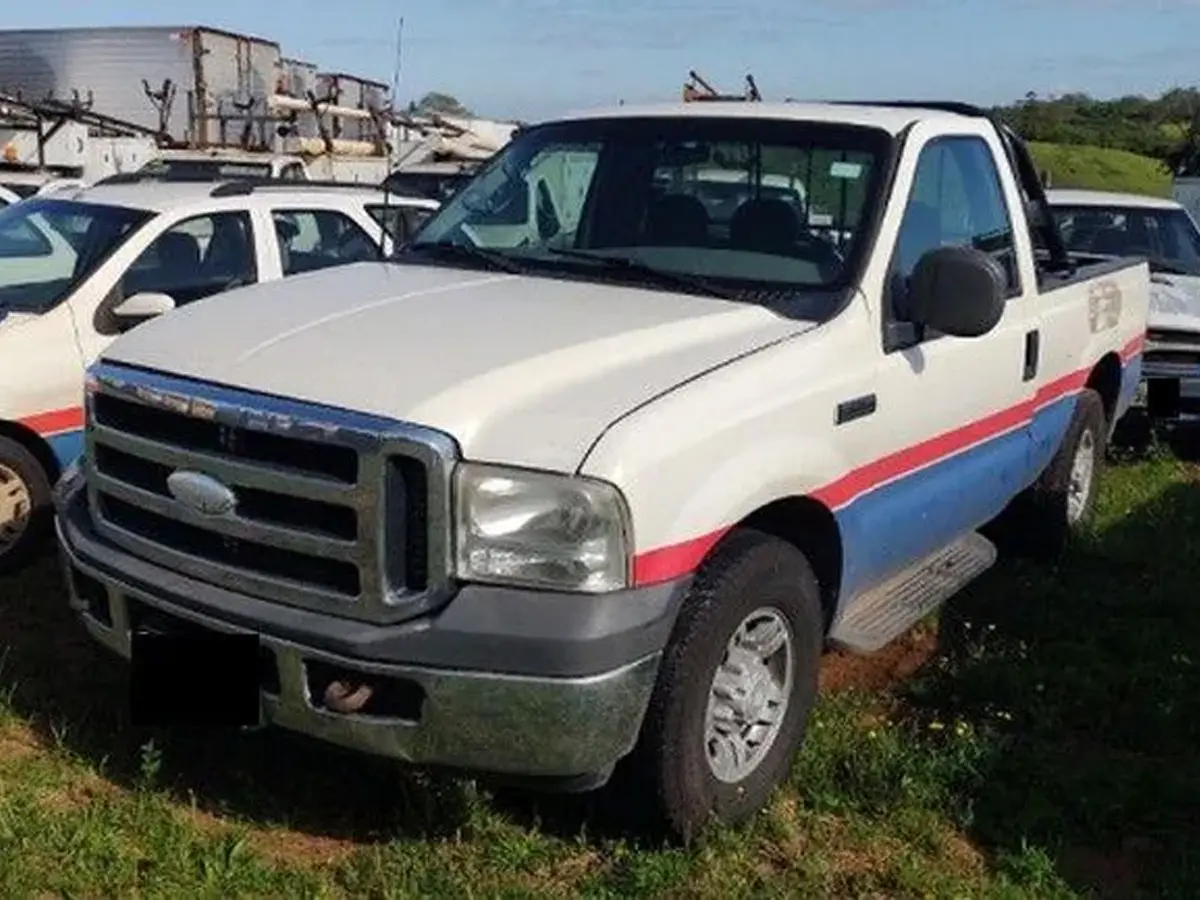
x,y
736,685
25,505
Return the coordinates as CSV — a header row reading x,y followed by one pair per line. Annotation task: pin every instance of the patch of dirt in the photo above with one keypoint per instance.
x,y
83,791
559,878
841,670
17,743
962,853
282,846
852,855
294,848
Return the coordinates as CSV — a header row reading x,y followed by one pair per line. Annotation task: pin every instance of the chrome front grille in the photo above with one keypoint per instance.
x,y
336,512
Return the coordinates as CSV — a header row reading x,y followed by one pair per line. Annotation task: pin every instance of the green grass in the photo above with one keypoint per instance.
x,y
1046,748
1097,168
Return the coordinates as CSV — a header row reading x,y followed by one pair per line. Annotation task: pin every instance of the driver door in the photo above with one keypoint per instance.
x,y
956,412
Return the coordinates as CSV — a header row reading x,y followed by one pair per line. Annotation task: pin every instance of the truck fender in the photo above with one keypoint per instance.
x,y
773,486
38,446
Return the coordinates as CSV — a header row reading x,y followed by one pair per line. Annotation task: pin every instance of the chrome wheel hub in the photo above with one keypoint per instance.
x,y
749,694
15,507
1083,471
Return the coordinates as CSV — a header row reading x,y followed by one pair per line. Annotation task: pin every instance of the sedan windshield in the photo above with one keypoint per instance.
x,y
730,206
47,247
1167,237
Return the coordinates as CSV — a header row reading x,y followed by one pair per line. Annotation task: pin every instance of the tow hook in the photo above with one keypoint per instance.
x,y
346,698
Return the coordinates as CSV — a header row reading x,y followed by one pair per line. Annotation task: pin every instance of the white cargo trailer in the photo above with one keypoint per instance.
x,y
208,82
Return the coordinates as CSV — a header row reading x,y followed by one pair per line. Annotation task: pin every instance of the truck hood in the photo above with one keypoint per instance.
x,y
11,321
521,370
1175,302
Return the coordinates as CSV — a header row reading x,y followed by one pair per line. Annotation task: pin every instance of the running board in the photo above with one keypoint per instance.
x,y
881,615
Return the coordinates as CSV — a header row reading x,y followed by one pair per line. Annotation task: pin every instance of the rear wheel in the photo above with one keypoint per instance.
x,y
736,685
1043,519
25,505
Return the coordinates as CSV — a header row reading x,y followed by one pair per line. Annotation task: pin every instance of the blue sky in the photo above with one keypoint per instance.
x,y
535,58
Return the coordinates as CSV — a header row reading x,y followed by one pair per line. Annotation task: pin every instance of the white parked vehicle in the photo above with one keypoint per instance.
x,y
599,483
79,267
8,197
1162,231
22,183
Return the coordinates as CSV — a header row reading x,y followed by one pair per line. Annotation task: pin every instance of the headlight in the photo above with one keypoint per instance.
x,y
541,530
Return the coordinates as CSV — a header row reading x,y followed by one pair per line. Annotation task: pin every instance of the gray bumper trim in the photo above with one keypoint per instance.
x,y
506,724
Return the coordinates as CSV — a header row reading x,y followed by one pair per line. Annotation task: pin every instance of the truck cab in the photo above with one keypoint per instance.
x,y
600,489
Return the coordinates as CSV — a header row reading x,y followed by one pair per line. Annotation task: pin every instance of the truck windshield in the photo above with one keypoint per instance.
x,y
48,246
734,206
1167,237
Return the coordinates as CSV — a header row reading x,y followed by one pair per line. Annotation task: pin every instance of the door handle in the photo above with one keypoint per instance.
x,y
1032,346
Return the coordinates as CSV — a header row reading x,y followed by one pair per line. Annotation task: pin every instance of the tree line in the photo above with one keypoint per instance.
x,y
1166,128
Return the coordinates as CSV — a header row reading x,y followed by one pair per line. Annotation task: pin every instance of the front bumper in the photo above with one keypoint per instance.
x,y
557,686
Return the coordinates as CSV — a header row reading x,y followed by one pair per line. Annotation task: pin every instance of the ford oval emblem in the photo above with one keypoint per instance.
x,y
201,493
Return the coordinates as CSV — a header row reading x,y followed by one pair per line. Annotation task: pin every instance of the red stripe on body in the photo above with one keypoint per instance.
x,y
56,421
673,561
676,560
1133,348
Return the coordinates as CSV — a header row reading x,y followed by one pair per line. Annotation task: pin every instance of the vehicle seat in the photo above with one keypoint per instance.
x,y
765,225
178,252
677,220
285,231
229,253
175,268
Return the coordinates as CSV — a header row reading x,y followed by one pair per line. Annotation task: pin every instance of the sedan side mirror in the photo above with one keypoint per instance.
x,y
958,291
145,305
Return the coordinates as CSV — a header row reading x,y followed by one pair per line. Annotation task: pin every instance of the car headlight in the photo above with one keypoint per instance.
x,y
539,529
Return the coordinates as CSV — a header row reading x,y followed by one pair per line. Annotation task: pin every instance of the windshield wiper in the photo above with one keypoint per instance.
x,y
451,250
631,264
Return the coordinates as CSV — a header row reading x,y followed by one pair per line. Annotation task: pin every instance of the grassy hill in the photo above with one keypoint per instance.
x,y
1078,166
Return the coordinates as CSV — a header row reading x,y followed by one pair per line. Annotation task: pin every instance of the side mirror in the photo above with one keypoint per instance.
x,y
145,305
958,291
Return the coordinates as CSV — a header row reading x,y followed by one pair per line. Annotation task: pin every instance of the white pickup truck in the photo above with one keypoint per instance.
x,y
1162,231
532,500
78,267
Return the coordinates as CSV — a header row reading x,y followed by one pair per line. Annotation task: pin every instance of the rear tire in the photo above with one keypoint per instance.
x,y
736,684
26,511
1044,519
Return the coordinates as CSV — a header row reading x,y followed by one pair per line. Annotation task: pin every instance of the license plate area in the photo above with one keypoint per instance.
x,y
182,673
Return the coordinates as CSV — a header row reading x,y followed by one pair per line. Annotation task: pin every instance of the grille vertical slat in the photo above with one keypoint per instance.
x,y
336,511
